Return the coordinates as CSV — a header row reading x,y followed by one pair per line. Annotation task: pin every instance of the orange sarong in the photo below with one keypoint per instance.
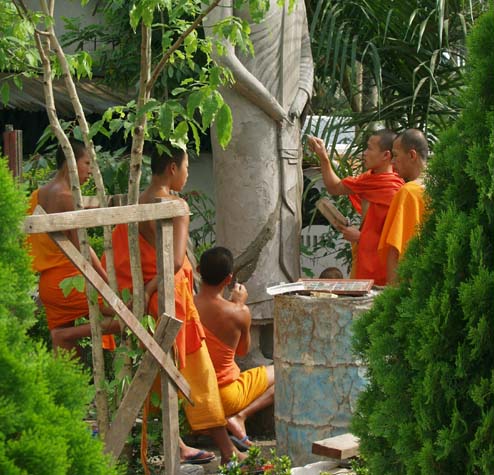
x,y
237,390
378,190
54,266
404,216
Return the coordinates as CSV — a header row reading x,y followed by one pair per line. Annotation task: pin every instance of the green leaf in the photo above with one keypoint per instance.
x,y
179,137
5,93
194,101
211,104
165,120
224,123
79,283
66,286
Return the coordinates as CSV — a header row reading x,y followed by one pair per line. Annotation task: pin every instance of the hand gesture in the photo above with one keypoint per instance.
x,y
317,146
239,294
350,233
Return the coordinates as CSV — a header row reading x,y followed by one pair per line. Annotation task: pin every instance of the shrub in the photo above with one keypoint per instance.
x,y
42,400
429,405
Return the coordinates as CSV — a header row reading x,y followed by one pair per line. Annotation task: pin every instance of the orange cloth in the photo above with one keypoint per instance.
x,y
223,358
191,334
404,215
54,266
378,190
249,386
237,390
195,362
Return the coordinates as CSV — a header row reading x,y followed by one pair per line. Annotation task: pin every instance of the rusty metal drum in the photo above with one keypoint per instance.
x,y
317,377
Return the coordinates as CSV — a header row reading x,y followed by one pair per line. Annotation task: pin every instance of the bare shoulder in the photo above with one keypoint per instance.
x,y
55,198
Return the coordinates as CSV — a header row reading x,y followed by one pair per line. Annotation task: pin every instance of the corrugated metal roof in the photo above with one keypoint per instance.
x,y
95,98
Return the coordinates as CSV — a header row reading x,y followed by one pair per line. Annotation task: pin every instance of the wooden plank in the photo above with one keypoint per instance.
x,y
339,447
87,218
166,304
141,384
122,311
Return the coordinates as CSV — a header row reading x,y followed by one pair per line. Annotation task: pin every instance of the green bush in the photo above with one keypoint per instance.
x,y
429,405
42,399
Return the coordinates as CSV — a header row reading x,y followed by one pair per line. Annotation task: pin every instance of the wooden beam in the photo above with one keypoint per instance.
x,y
166,304
87,218
122,311
141,384
340,447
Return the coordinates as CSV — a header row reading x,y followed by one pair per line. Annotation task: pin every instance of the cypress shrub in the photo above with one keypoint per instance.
x,y
42,399
429,341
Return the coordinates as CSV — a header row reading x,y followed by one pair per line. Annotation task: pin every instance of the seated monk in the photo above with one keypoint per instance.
x,y
54,266
410,151
227,327
169,173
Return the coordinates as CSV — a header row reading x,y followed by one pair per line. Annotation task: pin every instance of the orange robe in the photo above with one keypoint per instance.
x,y
191,334
378,190
404,216
194,361
223,358
54,266
237,390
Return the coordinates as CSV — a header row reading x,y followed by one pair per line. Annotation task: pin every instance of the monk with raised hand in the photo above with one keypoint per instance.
x,y
410,151
371,194
54,266
227,326
169,175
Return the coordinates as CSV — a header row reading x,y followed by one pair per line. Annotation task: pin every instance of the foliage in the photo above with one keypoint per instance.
x,y
16,279
400,63
42,399
429,405
203,220
256,463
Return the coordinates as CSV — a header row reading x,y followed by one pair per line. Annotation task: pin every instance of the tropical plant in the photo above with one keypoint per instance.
x,y
396,63
429,404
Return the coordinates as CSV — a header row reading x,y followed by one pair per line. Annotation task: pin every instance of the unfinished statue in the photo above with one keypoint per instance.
x,y
258,178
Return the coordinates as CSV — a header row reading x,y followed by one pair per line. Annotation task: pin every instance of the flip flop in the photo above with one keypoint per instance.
x,y
198,458
241,443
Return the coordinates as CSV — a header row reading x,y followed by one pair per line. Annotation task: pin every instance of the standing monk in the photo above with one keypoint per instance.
x,y
54,266
371,194
410,151
227,327
169,174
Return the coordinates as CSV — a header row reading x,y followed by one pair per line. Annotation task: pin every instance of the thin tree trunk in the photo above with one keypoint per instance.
x,y
135,172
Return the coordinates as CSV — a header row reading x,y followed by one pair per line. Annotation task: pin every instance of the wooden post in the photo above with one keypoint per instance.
x,y
12,148
166,304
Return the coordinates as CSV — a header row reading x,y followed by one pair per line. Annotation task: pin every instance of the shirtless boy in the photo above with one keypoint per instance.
x,y
227,327
54,266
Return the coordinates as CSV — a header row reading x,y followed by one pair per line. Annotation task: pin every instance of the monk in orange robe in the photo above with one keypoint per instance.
x,y
54,266
169,173
371,194
227,327
410,151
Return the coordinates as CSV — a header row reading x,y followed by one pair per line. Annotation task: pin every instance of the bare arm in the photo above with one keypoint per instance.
x,y
245,83
242,317
392,264
331,180
66,204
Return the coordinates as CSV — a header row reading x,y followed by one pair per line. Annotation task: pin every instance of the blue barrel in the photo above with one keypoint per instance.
x,y
317,378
